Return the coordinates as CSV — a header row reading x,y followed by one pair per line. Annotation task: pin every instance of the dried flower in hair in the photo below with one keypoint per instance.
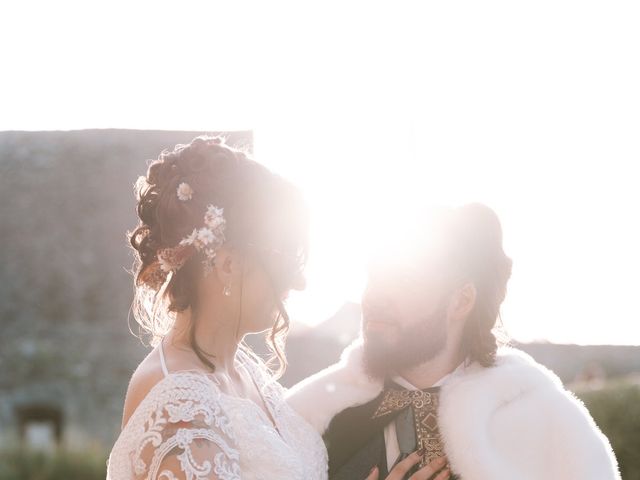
x,y
189,239
205,236
172,258
185,192
206,239
214,218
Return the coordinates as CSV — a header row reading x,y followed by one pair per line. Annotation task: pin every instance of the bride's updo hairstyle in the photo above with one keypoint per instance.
x,y
260,209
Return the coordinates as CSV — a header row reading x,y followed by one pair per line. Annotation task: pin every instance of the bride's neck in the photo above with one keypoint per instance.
x,y
218,339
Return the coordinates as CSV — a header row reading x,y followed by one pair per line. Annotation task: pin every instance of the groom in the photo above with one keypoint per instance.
x,y
428,372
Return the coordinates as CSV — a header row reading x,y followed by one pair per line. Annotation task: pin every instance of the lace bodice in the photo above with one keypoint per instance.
x,y
186,428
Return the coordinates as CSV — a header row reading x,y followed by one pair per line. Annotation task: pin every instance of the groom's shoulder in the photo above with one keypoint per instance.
x,y
515,376
523,394
512,366
519,368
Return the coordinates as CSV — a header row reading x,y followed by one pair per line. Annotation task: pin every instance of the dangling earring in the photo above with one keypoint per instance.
x,y
226,291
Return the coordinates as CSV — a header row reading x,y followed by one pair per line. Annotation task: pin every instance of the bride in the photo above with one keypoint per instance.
x,y
220,242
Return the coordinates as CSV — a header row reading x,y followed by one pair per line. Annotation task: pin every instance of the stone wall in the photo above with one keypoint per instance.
x,y
66,203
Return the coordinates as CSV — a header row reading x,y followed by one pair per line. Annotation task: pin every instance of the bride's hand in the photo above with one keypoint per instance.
x,y
400,470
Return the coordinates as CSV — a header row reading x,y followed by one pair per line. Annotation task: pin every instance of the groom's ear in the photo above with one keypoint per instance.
x,y
462,302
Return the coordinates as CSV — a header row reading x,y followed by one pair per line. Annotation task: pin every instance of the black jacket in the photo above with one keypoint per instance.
x,y
355,442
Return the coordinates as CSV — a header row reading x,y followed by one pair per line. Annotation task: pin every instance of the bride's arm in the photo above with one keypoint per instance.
x,y
191,451
182,432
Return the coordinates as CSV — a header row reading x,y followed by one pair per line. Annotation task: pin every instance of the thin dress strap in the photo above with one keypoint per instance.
x,y
164,365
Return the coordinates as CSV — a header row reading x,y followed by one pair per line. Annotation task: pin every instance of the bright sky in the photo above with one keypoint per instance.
x,y
530,107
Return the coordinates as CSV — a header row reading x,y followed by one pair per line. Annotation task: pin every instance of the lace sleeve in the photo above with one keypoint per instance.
x,y
185,434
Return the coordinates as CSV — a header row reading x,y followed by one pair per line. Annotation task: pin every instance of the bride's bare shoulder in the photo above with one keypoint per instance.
x,y
145,377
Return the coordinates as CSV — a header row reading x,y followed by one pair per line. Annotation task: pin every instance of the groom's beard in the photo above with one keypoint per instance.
x,y
413,344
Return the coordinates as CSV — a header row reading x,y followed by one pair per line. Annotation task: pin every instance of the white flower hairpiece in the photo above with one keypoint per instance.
x,y
184,192
206,240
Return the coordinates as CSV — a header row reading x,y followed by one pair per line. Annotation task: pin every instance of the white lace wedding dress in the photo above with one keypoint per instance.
x,y
187,429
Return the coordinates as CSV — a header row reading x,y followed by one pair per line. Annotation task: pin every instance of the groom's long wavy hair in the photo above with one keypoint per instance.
x,y
476,252
260,208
